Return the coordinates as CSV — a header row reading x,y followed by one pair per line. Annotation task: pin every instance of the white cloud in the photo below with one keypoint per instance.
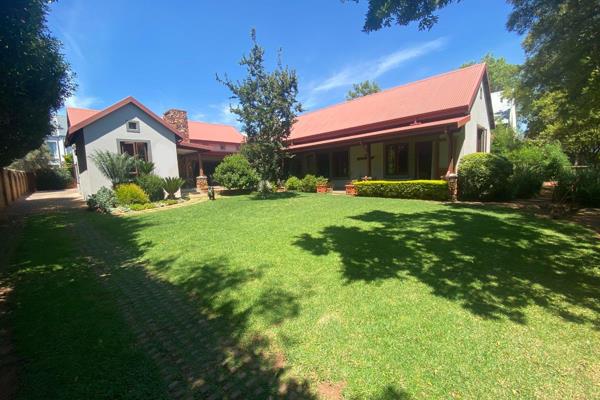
x,y
218,113
81,101
369,70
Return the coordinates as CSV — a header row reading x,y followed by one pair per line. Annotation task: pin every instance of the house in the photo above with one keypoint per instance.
x,y
176,146
55,141
505,110
415,131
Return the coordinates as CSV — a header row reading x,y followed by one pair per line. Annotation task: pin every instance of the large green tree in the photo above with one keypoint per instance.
x,y
503,75
559,89
34,77
267,106
362,89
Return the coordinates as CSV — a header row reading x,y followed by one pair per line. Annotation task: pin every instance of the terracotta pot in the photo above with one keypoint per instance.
x,y
322,188
351,190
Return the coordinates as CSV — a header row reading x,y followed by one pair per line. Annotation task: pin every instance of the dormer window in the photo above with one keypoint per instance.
x,y
133,126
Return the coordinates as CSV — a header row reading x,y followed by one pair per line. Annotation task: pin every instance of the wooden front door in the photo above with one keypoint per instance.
x,y
423,158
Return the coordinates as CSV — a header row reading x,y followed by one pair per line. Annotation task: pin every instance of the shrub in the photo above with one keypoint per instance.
x,y
309,184
144,167
235,172
152,185
484,176
140,207
172,185
586,185
420,189
103,200
533,164
53,179
293,183
116,167
322,181
130,193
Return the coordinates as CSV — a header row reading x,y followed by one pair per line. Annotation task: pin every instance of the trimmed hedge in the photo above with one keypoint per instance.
x,y
419,189
53,179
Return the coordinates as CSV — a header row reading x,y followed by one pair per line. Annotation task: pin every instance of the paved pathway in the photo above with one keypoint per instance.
x,y
45,201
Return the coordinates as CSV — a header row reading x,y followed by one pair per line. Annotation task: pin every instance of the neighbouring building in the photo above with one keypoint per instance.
x,y
56,140
505,111
415,131
176,146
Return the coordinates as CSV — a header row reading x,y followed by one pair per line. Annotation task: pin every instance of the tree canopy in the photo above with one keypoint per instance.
x,y
362,89
35,78
267,107
503,75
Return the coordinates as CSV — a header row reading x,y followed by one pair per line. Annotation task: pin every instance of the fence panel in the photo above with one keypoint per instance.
x,y
14,184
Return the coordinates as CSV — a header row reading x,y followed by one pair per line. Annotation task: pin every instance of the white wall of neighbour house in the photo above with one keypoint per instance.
x,y
109,131
479,119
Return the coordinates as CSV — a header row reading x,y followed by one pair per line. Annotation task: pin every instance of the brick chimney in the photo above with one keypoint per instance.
x,y
178,120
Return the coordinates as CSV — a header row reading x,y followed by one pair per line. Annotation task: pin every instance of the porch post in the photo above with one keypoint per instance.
x,y
449,137
201,180
451,176
200,165
369,160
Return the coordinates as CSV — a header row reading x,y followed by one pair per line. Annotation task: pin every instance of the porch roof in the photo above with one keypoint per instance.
x,y
425,127
193,147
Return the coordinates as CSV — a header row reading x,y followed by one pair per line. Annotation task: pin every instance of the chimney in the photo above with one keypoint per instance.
x,y
178,120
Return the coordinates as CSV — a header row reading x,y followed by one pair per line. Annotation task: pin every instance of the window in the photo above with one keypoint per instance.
x,y
481,139
340,164
135,149
396,159
133,126
53,146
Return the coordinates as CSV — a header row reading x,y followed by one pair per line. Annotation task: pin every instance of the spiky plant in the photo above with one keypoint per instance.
x,y
116,167
144,167
172,185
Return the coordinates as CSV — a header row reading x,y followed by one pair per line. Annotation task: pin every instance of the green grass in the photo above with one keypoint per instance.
x,y
394,298
67,329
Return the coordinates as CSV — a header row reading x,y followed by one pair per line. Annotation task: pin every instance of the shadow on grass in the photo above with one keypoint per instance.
x,y
195,332
494,264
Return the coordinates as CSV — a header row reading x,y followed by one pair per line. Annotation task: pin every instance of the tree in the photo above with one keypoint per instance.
x,y
34,160
503,75
116,167
559,88
362,89
235,172
267,107
35,79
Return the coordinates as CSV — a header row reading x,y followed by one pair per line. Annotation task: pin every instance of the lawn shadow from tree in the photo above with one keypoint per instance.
x,y
494,264
192,328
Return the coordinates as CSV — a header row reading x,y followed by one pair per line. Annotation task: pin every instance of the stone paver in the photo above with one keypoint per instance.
x,y
45,201
194,345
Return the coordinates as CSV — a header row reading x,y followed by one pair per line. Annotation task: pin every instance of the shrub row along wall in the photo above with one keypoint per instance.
x,y
425,190
14,184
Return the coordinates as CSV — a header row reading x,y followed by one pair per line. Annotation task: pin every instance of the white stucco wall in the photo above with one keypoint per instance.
x,y
107,132
479,119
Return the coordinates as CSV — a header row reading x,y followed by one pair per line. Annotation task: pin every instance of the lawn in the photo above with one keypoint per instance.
x,y
372,298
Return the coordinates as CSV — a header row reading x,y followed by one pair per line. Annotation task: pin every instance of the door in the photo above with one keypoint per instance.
x,y
323,164
424,157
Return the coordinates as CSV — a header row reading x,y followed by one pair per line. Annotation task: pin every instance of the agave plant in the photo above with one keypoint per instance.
x,y
172,185
116,167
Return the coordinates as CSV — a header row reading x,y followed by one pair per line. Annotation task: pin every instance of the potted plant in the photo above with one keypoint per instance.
x,y
322,185
351,189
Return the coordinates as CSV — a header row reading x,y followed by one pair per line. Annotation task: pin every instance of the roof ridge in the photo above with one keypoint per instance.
x,y
393,88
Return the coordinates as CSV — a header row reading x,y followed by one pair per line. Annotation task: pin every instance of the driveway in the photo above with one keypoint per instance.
x,y
45,201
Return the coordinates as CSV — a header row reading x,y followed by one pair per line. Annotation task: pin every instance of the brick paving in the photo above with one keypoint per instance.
x,y
195,345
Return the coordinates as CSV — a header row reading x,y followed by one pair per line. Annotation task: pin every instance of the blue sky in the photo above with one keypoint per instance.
x,y
166,53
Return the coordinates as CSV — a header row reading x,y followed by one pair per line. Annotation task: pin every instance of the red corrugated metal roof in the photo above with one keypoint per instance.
x,y
437,97
452,123
214,132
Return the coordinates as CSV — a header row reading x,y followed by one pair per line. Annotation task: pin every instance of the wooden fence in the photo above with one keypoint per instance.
x,y
14,184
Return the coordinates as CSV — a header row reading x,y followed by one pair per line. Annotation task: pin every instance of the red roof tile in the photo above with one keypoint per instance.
x,y
76,115
204,131
440,96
